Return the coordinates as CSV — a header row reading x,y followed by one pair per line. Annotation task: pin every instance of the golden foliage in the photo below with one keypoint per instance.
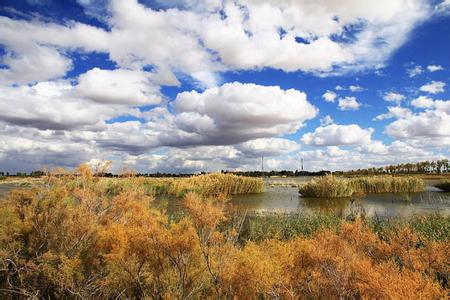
x,y
73,238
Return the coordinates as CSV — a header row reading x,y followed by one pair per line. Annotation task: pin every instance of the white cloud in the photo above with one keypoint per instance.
x,y
327,120
267,147
118,87
63,123
393,97
374,147
433,87
395,112
434,68
355,88
210,40
348,103
443,7
422,102
329,96
431,123
237,112
39,63
414,71
53,105
335,135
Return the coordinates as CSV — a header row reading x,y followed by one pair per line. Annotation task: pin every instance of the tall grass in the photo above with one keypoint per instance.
x,y
387,184
258,228
326,187
334,187
206,185
283,226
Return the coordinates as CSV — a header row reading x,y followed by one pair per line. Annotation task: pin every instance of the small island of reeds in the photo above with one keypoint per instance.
x,y
336,187
206,185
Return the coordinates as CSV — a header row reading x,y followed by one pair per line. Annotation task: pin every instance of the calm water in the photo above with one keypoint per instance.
x,y
287,199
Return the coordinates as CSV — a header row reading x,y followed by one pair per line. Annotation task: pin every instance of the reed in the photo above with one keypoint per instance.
x,y
206,185
334,187
327,187
387,184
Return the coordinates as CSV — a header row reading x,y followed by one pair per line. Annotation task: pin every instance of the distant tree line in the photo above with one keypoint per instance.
x,y
423,167
283,173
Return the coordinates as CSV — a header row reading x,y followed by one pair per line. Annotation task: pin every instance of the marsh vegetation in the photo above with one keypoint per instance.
x,y
337,187
84,237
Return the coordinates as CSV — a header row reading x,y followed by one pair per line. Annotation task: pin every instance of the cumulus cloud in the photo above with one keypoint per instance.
x,y
38,63
431,123
374,147
50,119
335,135
394,112
434,87
267,147
434,68
27,149
212,38
393,97
237,112
422,102
53,105
348,103
118,87
329,96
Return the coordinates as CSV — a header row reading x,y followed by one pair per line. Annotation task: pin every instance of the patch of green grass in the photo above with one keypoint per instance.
x,y
433,227
287,226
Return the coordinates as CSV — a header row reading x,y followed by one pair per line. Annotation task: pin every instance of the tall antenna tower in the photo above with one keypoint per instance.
x,y
262,163
302,163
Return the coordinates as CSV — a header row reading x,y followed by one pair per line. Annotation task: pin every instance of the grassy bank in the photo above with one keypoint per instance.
x,y
338,187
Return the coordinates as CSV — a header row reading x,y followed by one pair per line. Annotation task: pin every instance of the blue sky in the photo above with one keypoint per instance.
x,y
185,86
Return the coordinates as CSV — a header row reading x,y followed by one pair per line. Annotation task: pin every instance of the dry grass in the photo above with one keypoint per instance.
x,y
206,185
327,187
334,187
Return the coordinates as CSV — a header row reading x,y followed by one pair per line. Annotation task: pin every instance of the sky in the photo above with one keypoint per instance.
x,y
196,85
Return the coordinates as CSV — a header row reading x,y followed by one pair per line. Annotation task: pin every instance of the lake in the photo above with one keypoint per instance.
x,y
282,196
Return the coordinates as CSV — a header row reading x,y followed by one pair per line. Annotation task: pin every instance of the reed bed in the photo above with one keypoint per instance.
x,y
205,185
334,187
327,187
387,184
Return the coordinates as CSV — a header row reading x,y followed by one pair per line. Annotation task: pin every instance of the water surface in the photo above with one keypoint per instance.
x,y
287,199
